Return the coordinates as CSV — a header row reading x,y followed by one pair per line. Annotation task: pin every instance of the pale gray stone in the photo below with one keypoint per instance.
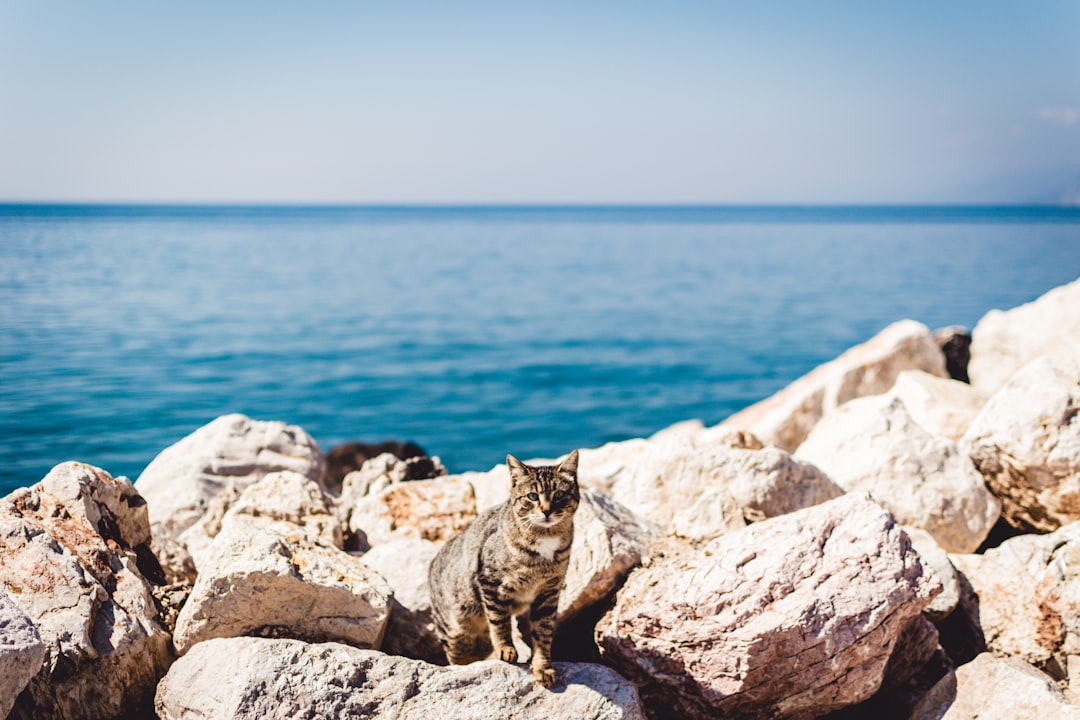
x,y
992,688
228,454
274,579
69,549
794,616
404,563
873,445
262,679
1028,605
1026,444
786,418
1004,342
21,652
943,407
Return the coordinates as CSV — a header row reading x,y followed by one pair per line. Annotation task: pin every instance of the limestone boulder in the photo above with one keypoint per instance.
x,y
943,407
1028,600
792,617
434,510
704,484
993,688
1026,444
273,579
263,679
873,445
71,549
21,652
609,541
935,559
786,418
404,563
1004,342
224,456
284,496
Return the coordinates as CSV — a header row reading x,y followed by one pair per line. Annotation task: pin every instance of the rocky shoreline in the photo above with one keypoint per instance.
x,y
879,539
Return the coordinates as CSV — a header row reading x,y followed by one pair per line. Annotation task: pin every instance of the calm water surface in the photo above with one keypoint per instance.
x,y
472,331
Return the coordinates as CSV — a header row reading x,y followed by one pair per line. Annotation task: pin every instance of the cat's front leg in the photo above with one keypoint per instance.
x,y
497,611
542,616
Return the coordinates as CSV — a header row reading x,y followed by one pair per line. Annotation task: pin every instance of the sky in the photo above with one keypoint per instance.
x,y
968,101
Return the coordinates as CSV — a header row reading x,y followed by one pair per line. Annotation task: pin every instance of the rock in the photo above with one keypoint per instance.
x,y
230,453
991,688
609,541
746,627
702,485
955,344
873,445
942,407
935,559
404,563
434,510
274,579
1003,342
263,679
21,652
71,548
279,497
1028,606
785,419
1026,444
349,457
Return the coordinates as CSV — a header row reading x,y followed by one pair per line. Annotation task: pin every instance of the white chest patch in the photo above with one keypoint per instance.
x,y
547,545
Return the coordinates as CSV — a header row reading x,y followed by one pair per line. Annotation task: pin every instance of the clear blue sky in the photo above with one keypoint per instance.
x,y
664,102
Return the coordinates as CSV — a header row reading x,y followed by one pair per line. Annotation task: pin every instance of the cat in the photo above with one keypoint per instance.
x,y
511,561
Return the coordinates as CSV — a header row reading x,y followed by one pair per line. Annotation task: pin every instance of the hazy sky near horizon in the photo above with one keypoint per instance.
x,y
577,102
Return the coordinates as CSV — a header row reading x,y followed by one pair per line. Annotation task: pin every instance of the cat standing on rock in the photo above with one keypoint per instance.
x,y
510,562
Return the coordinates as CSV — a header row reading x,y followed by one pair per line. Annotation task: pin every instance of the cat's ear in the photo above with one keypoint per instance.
x,y
569,465
518,471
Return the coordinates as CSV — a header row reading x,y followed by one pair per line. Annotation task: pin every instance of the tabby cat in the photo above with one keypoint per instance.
x,y
510,562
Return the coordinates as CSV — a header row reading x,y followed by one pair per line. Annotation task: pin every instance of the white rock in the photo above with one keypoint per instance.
x,y
261,679
935,559
794,616
404,563
1026,443
1003,342
991,688
273,579
21,652
230,453
943,407
434,510
1028,592
68,560
786,418
873,445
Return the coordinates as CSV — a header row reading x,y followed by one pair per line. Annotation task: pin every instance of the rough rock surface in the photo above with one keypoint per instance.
x,y
1028,606
609,541
1003,342
935,559
384,470
434,510
21,652
941,406
404,563
70,549
269,679
873,445
279,497
700,485
992,688
1026,443
229,453
792,617
784,419
275,580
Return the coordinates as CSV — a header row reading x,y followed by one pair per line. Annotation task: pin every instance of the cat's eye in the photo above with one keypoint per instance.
x,y
559,495
533,496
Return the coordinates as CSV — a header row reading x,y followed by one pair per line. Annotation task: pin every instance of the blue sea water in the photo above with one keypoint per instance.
x,y
473,331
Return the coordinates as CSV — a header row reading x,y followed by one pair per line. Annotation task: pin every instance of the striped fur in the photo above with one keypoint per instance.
x,y
511,562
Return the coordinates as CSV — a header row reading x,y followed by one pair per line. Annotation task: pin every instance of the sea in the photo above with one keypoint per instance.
x,y
472,331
